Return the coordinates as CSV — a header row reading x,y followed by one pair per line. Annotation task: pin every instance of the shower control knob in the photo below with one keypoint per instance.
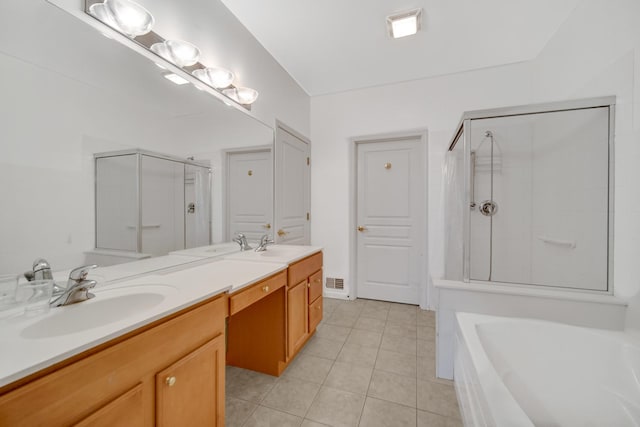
x,y
488,208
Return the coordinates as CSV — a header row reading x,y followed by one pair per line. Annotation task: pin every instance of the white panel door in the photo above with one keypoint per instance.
x,y
391,192
249,194
292,189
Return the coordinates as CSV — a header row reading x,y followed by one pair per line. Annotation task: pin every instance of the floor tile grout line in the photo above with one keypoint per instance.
x,y
325,378
358,315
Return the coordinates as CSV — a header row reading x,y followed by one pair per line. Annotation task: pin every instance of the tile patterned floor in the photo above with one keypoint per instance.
x,y
370,364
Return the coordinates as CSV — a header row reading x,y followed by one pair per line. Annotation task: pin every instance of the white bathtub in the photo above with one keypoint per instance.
x,y
521,372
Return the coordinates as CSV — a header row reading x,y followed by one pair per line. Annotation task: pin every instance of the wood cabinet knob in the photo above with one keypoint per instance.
x,y
170,381
308,285
265,288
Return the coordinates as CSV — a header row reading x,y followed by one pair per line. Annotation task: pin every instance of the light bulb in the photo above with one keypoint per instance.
x,y
130,18
216,77
179,52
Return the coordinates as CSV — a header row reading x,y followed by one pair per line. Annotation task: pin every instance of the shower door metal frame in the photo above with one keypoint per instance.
x,y
464,129
139,153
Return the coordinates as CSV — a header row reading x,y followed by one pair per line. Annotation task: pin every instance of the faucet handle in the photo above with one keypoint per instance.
x,y
41,270
79,274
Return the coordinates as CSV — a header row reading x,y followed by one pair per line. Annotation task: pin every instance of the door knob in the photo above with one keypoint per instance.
x,y
362,228
281,232
267,226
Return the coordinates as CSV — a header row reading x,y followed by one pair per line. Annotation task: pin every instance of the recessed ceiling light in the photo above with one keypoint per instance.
x,y
175,79
404,24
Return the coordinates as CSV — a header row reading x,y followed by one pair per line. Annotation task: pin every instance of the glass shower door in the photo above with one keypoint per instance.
x,y
197,196
162,199
539,199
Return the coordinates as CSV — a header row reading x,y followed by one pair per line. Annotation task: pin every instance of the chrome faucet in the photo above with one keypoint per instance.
x,y
77,289
41,270
241,239
264,241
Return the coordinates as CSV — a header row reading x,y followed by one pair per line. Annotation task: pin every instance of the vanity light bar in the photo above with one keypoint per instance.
x,y
184,55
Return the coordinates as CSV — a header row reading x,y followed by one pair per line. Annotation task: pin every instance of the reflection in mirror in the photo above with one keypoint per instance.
x,y
134,21
69,93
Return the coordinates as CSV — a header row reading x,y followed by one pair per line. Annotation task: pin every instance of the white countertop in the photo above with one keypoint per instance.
x,y
287,254
235,274
211,251
168,293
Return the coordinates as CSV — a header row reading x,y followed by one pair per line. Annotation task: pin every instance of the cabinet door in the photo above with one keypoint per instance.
x,y
297,316
315,314
126,410
191,391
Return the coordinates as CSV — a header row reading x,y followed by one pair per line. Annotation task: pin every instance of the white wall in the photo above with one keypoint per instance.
x,y
435,104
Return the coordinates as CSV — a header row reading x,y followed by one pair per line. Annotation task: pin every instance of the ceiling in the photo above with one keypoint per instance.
x,y
332,46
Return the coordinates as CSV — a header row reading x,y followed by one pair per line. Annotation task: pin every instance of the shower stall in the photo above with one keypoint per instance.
x,y
150,203
529,196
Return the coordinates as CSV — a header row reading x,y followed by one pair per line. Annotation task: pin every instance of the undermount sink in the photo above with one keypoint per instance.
x,y
224,248
108,306
275,251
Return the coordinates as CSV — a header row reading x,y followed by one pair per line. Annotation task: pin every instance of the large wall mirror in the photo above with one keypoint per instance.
x,y
68,93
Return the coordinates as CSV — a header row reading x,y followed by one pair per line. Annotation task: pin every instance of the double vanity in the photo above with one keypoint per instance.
x,y
151,347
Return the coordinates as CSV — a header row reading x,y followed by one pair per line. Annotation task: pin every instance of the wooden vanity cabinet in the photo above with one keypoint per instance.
x,y
297,317
256,326
304,301
168,373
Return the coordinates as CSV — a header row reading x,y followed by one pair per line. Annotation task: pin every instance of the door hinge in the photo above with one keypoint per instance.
x,y
308,161
308,216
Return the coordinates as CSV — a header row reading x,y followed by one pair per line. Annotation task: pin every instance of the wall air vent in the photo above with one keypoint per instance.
x,y
334,283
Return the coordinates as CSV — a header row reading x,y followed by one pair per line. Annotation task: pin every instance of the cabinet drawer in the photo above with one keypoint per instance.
x,y
315,286
315,314
244,298
302,269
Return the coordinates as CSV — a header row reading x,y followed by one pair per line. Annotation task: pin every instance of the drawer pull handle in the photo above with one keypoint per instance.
x,y
170,381
265,288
